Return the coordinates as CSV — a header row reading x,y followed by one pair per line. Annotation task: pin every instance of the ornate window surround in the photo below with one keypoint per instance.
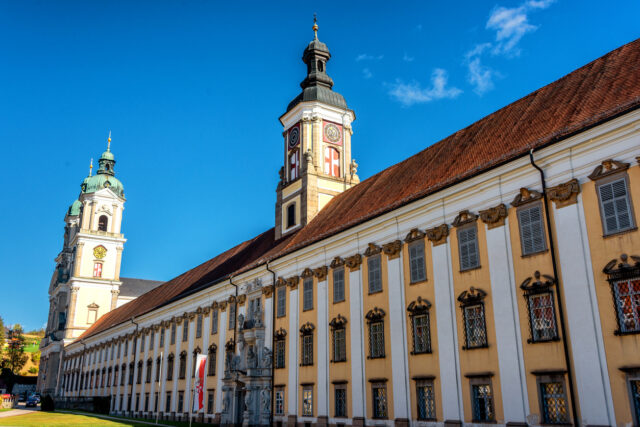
x,y
474,296
617,272
533,287
338,323
374,316
416,308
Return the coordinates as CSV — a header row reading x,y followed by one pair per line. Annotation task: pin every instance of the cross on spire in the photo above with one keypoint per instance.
x,y
109,142
315,25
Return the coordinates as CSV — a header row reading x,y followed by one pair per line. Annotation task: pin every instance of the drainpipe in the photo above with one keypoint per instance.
x,y
235,323
135,341
273,343
552,249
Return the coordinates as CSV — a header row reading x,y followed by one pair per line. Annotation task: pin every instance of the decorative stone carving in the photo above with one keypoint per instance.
x,y
526,196
280,282
464,217
564,194
307,328
608,167
307,273
206,310
337,262
191,315
222,305
413,235
438,235
615,269
267,291
280,333
292,282
375,314
530,285
321,273
242,299
494,217
473,295
214,305
338,322
372,249
231,299
267,357
353,262
419,306
392,249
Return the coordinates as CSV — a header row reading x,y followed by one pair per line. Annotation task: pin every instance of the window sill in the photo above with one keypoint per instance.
x,y
618,233
416,353
307,309
338,302
375,357
375,292
338,361
618,332
464,347
466,270
532,254
532,341
417,282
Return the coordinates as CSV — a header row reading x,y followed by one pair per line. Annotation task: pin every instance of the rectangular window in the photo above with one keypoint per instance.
x,y
280,352
426,400
146,402
338,285
161,344
232,315
182,367
468,248
615,206
421,333
185,330
627,300
542,317
375,274
307,350
173,334
122,375
167,403
554,403
634,388
199,326
149,366
379,393
142,340
155,406
97,269
307,294
210,401
376,340
279,410
340,401
158,367
137,407
212,363
282,301
339,345
482,402
139,376
307,402
152,339
180,401
214,321
417,262
130,373
475,327
170,369
531,230
92,316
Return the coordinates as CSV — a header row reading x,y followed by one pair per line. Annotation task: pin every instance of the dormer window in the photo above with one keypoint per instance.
x,y
103,222
291,215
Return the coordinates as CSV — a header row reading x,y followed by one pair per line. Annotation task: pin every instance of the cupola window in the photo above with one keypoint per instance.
x,y
103,222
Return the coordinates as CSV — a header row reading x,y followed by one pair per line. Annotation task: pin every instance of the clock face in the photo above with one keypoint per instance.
x,y
332,133
99,252
294,136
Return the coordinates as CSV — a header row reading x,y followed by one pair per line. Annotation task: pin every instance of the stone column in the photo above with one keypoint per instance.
x,y
114,216
323,352
222,332
188,395
78,261
68,333
85,215
292,382
118,262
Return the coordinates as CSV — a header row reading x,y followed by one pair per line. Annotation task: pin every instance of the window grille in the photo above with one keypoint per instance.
x,y
482,404
167,403
375,274
280,353
339,345
210,400
185,330
214,321
379,392
635,397
232,315
338,285
627,301
468,247
615,206
199,326
376,339
417,261
170,368
532,237
279,409
426,400
307,350
182,367
307,402
542,317
212,362
307,297
282,301
340,401
554,403
475,326
421,333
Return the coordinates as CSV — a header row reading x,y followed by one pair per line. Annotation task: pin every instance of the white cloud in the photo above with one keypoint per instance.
x,y
367,57
408,58
412,93
480,76
511,24
366,73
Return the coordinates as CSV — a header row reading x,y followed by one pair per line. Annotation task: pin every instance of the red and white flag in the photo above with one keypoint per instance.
x,y
198,390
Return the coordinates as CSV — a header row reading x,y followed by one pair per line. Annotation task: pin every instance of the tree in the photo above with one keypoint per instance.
x,y
1,337
16,358
35,357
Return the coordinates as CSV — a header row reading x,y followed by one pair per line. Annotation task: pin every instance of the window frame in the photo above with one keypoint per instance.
x,y
280,346
619,271
211,362
430,404
379,385
307,401
214,321
307,294
343,389
478,382
279,400
549,378
281,292
199,319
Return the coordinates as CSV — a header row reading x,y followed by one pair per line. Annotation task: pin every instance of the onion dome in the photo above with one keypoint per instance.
x,y
105,178
317,85
74,209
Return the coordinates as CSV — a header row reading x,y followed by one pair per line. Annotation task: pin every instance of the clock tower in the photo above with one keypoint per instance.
x,y
317,145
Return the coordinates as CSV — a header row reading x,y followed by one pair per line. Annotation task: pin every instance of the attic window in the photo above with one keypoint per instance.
x,y
291,215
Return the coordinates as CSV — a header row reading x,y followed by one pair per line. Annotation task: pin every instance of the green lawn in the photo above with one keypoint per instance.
x,y
165,422
6,409
38,419
32,348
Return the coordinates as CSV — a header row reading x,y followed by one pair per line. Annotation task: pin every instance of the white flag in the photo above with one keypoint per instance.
x,y
198,401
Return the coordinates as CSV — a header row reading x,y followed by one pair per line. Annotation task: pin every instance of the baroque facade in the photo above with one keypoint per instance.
x,y
492,278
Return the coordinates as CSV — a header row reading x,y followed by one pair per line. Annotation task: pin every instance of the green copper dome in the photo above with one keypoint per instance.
x,y
97,182
74,209
107,155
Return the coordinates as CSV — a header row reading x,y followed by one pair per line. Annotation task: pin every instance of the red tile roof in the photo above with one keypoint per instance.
x,y
597,92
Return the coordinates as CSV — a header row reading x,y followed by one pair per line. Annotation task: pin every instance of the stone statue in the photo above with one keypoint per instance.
x,y
251,358
267,357
241,321
226,402
281,173
247,400
227,361
353,167
265,399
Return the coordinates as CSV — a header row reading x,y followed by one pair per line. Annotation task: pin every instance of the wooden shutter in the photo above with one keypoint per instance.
x,y
468,247
531,230
614,199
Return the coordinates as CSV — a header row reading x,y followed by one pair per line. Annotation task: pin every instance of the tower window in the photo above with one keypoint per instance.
x,y
97,269
331,161
320,66
291,215
103,221
294,165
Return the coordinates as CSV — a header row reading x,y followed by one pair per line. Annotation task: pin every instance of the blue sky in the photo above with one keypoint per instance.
x,y
192,92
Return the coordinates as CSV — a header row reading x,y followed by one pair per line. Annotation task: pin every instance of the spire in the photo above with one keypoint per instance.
x,y
107,160
109,141
315,26
91,167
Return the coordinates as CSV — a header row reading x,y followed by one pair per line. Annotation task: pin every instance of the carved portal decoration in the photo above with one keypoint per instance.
x,y
375,314
526,196
564,194
353,262
307,273
372,249
337,262
392,249
321,273
464,217
495,216
413,235
472,296
280,334
622,268
438,235
608,167
307,328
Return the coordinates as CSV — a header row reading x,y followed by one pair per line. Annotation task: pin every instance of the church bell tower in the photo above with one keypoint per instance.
x,y
317,145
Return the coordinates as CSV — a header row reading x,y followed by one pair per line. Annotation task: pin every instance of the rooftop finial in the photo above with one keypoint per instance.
x,y
315,26
109,142
91,167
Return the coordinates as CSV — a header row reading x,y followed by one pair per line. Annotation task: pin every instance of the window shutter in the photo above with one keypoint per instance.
x,y
531,230
282,299
615,206
308,294
468,246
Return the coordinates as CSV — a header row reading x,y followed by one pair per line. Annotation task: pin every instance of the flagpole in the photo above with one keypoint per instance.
x,y
158,387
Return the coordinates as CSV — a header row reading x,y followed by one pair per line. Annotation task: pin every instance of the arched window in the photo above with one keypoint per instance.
x,y
331,161
294,164
103,221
